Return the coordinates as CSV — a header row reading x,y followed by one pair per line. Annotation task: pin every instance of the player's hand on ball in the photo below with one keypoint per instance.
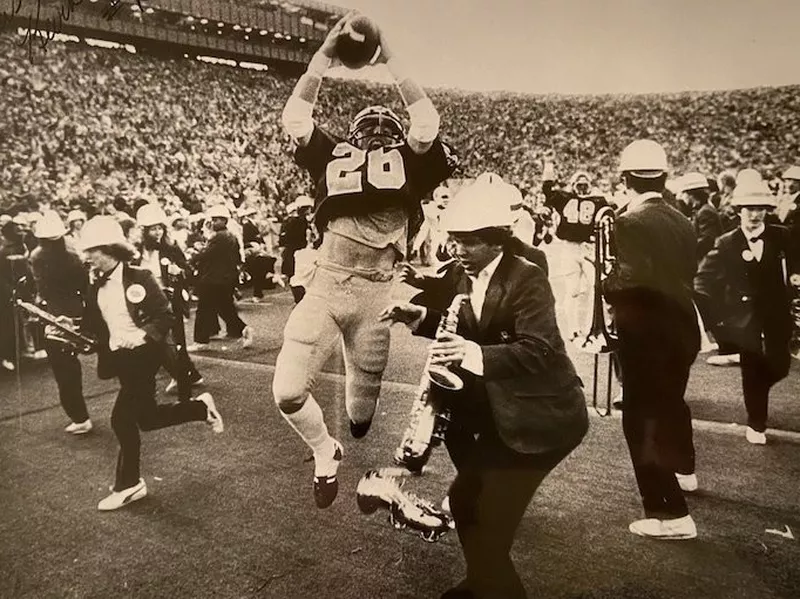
x,y
328,47
385,54
401,312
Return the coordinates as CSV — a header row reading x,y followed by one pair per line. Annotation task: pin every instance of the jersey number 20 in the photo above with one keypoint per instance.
x,y
344,174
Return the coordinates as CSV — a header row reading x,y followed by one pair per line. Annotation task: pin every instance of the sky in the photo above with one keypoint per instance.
x,y
592,46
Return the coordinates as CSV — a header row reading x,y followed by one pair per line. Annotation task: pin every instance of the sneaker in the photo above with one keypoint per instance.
x,y
376,490
9,365
119,499
79,428
326,485
360,429
195,347
219,336
669,530
754,437
213,417
724,360
247,337
687,482
39,354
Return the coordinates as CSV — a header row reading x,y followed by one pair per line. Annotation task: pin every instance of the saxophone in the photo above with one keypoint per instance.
x,y
428,421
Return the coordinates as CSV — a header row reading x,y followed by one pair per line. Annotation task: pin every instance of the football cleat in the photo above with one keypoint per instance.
x,y
360,429
406,510
326,487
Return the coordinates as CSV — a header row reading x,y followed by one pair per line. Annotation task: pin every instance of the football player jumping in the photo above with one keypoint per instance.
x,y
368,191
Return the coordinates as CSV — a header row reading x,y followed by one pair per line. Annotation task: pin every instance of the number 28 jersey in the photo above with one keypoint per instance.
x,y
351,181
577,213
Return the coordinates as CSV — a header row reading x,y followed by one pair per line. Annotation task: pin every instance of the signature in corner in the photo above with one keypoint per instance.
x,y
41,30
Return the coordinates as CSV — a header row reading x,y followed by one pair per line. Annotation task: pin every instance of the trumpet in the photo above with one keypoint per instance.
x,y
601,339
428,419
59,330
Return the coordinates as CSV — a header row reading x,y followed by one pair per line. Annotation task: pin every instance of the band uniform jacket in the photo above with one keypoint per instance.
x,y
218,262
533,391
751,298
707,227
152,314
61,280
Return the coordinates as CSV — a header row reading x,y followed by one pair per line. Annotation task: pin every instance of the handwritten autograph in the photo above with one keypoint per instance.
x,y
42,29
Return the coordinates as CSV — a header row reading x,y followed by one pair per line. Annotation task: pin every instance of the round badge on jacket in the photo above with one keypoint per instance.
x,y
135,293
748,256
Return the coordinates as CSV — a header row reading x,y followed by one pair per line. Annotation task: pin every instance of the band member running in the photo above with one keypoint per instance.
x,y
129,315
368,187
522,409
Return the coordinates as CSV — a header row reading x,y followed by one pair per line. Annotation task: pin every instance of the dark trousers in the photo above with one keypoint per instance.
x,y
655,355
136,408
488,498
758,377
298,293
67,371
258,267
8,333
215,300
179,365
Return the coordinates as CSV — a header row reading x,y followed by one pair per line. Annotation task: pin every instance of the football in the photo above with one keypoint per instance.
x,y
358,42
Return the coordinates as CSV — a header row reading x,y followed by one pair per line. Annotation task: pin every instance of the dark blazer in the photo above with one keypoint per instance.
x,y
218,262
750,298
61,279
152,314
531,385
707,227
656,259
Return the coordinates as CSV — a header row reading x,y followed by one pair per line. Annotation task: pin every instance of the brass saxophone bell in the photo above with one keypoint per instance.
x,y
445,378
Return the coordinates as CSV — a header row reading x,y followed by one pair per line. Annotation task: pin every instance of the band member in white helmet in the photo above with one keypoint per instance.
x,y
368,187
746,279
61,283
522,409
129,315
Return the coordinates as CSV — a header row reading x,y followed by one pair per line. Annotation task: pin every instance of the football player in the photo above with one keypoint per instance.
x,y
573,279
368,190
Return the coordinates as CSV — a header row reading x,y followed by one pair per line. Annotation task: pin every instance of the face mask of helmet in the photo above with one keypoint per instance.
x,y
376,129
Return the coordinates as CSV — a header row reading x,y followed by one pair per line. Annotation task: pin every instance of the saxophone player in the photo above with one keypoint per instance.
x,y
61,282
522,409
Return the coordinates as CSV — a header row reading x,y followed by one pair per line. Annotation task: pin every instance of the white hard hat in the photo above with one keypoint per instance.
x,y
793,172
150,215
75,215
34,217
102,230
50,226
693,181
21,218
218,211
753,193
304,201
480,205
746,176
643,158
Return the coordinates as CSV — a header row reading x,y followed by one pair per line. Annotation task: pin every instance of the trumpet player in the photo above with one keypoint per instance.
x,y
522,409
746,278
61,283
129,315
650,294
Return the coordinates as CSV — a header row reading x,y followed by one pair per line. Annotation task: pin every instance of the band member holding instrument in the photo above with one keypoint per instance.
x,y
129,315
61,282
168,265
368,187
650,294
745,278
522,409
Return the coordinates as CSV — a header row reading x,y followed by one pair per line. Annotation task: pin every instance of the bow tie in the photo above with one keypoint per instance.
x,y
101,278
756,238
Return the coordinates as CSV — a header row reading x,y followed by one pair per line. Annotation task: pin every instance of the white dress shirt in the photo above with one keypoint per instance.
x,y
756,245
123,333
473,356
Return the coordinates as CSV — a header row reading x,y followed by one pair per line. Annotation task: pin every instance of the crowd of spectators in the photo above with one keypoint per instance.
x,y
87,127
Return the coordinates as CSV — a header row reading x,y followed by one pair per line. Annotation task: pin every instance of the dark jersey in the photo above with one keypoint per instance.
x,y
350,181
577,213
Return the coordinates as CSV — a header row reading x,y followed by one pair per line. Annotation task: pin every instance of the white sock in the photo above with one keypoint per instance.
x,y
309,423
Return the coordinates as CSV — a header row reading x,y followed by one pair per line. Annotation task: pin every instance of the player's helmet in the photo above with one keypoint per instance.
x,y
374,127
581,184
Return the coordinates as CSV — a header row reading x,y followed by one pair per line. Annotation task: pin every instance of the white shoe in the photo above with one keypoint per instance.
x,y
669,530
247,337
79,428
9,365
213,418
40,354
724,360
119,499
754,437
687,482
172,386
195,347
218,337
